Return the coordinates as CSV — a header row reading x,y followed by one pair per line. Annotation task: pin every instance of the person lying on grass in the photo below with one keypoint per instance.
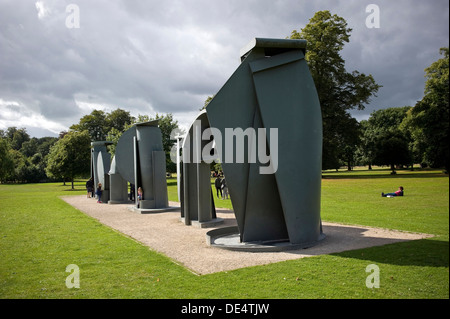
x,y
399,192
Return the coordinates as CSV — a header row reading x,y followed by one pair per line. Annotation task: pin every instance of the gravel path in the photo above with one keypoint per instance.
x,y
186,245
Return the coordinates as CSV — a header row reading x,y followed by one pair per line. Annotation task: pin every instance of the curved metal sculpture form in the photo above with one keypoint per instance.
x,y
273,88
100,164
118,186
197,202
140,159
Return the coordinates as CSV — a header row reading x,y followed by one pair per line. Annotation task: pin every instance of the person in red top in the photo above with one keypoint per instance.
x,y
399,192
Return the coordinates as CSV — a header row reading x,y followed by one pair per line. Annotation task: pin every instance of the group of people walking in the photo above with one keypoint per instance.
x,y
221,187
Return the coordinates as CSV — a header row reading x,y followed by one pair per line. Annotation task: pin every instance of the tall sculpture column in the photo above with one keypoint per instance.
x,y
152,166
140,159
197,202
118,186
273,91
100,165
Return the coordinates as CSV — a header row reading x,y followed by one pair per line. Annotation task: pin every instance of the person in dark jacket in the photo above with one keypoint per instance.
x,y
218,185
90,188
99,193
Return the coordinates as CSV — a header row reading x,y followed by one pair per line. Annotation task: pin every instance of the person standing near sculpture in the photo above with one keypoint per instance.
x,y
90,188
224,189
132,191
99,193
218,185
140,193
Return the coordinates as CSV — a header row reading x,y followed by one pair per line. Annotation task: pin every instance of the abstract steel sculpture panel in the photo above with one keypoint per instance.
x,y
273,88
118,186
141,160
197,202
100,165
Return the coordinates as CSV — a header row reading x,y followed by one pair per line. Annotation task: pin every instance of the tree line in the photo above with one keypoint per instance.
x,y
24,159
404,136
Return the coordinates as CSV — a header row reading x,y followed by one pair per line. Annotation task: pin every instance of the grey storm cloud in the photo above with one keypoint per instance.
x,y
169,56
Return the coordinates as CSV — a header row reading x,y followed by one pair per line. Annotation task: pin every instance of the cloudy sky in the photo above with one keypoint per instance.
x,y
148,56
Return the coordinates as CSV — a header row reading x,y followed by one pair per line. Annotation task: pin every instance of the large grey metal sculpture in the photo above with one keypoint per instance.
x,y
197,202
100,165
118,186
273,88
141,160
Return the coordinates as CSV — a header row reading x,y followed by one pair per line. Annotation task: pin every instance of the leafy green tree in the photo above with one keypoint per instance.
x,y
391,148
383,141
44,145
114,136
35,151
29,148
388,119
95,124
70,156
6,160
17,137
429,118
28,155
349,130
99,123
366,148
339,91
20,163
118,119
55,162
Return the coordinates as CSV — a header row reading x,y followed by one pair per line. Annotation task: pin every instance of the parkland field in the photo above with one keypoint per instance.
x,y
40,235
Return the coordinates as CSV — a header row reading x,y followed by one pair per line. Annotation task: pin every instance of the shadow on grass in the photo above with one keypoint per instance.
x,y
171,182
422,252
363,243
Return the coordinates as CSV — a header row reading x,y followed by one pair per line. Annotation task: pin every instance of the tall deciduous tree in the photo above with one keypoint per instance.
x,y
70,156
339,91
118,119
17,137
95,124
429,118
391,149
6,161
99,123
383,141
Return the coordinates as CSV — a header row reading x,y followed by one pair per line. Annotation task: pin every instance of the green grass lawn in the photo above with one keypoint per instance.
x,y
40,235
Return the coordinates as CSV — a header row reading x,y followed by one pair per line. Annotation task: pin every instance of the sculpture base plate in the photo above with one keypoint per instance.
x,y
118,202
210,223
152,210
229,238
